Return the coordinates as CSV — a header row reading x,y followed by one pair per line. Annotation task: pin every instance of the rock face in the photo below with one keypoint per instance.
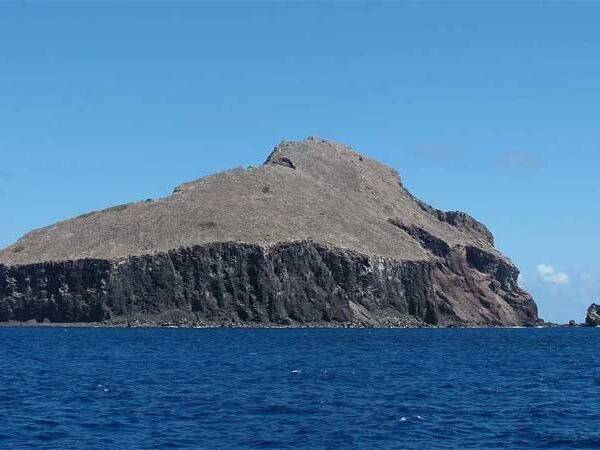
x,y
317,235
592,319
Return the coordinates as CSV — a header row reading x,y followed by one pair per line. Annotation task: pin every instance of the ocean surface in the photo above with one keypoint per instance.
x,y
302,389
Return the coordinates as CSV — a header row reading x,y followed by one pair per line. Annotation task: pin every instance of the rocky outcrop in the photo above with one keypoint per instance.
x,y
319,235
296,283
592,319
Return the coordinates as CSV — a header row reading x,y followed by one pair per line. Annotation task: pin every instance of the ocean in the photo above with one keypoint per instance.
x,y
95,388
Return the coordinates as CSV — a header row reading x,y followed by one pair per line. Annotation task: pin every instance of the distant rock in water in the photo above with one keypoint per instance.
x,y
318,235
592,318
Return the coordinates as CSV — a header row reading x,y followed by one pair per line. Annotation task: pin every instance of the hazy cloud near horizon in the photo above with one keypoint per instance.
x,y
449,155
522,159
560,302
549,274
589,283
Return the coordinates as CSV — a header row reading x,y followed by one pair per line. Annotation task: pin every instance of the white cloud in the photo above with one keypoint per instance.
x,y
550,275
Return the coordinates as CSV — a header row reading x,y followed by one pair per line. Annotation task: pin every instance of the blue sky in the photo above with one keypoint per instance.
x,y
489,108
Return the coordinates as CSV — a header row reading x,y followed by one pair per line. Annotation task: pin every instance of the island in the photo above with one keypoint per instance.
x,y
319,235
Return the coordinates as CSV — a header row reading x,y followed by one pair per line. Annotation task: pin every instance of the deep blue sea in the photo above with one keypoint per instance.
x,y
301,389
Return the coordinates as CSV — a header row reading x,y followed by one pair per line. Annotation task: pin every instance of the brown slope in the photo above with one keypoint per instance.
x,y
333,195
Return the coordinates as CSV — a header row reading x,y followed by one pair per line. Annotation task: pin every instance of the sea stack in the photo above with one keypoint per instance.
x,y
319,235
592,319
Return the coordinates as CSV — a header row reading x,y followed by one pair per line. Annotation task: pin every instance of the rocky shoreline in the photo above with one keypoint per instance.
x,y
408,323
255,326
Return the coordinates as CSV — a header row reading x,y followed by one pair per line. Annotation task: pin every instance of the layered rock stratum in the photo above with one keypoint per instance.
x,y
318,235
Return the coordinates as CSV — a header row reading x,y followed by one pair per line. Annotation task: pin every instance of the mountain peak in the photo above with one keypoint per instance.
x,y
310,189
310,145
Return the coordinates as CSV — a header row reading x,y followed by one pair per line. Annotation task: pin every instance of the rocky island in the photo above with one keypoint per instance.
x,y
319,235
592,318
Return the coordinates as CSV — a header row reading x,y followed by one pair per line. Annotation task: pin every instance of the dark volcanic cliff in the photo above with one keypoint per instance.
x,y
319,234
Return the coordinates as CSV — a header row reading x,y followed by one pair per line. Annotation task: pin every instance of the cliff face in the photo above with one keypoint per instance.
x,y
318,235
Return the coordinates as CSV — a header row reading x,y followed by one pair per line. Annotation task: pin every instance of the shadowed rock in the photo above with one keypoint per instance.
x,y
318,234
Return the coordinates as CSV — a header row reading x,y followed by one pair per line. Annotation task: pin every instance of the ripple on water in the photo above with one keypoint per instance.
x,y
306,389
